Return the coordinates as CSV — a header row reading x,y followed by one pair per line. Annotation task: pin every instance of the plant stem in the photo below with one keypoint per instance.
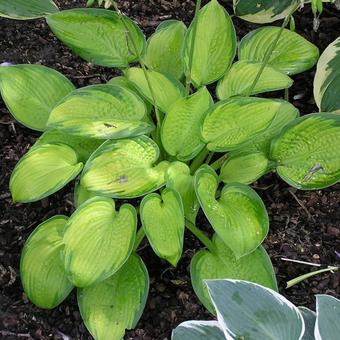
x,y
139,238
200,235
218,163
209,158
198,160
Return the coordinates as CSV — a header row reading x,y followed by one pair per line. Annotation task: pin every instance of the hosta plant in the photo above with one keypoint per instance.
x,y
157,138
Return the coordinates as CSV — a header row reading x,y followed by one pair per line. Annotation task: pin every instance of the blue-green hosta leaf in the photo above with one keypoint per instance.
x,y
234,122
211,41
239,216
181,129
246,310
255,267
293,54
307,151
31,91
101,111
166,90
244,167
163,222
41,269
239,79
23,9
309,317
327,79
125,168
198,330
117,303
164,48
178,177
98,240
42,171
82,195
98,35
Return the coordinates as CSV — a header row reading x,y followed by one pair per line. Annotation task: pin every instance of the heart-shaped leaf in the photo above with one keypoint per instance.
x,y
101,111
163,222
181,130
98,240
239,216
307,152
327,78
164,48
255,267
23,9
293,54
31,91
241,76
198,330
166,90
98,35
210,45
124,168
41,269
309,317
108,308
43,171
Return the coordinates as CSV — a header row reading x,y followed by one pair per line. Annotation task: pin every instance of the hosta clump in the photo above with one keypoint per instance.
x,y
154,133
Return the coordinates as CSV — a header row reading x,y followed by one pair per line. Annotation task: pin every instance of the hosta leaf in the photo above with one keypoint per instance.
x,y
211,41
41,269
164,48
198,330
98,240
23,9
307,152
98,35
108,308
236,121
293,54
178,177
239,216
43,171
244,167
181,129
163,222
31,91
101,111
327,78
166,90
309,317
248,310
239,79
82,195
255,267
125,168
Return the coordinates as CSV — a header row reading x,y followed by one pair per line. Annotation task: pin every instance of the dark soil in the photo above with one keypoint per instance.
x,y
304,225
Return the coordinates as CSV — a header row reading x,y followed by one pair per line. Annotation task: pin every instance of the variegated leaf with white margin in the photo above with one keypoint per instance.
x,y
246,310
42,171
309,317
125,168
117,303
198,330
98,240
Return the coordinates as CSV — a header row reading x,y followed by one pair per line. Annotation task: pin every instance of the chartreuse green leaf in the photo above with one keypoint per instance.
x,y
241,76
98,35
31,91
98,240
164,48
307,151
163,222
246,310
244,167
166,90
111,306
239,216
293,54
23,9
210,45
42,171
327,78
82,195
181,129
255,267
178,177
198,330
101,111
125,168
231,123
41,269
309,317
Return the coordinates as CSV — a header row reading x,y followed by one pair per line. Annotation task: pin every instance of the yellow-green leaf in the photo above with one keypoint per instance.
x,y
82,195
